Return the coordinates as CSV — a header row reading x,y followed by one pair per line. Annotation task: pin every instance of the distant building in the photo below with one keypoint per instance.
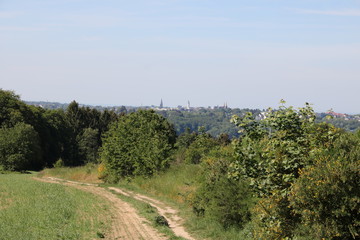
x,y
261,116
161,104
337,115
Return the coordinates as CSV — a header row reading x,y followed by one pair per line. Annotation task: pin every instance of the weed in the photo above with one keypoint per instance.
x,y
161,221
100,235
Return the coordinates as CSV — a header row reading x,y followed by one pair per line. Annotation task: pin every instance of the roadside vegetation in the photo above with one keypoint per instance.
x,y
87,173
286,176
30,209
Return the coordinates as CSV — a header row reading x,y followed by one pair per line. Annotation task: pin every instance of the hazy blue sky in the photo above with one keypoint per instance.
x,y
246,53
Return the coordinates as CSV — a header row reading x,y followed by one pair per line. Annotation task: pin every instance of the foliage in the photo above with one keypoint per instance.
x,y
185,139
198,149
85,127
327,194
88,145
223,199
73,135
177,186
59,163
349,123
270,154
12,110
215,121
139,143
19,147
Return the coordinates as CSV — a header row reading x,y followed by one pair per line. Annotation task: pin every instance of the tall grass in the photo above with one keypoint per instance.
x,y
35,210
87,173
176,186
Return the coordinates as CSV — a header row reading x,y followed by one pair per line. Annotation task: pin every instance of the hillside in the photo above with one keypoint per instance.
x,y
215,120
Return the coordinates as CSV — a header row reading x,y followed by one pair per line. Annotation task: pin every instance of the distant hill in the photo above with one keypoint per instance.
x,y
48,105
216,120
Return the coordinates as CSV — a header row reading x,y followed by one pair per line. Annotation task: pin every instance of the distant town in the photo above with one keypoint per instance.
x,y
161,107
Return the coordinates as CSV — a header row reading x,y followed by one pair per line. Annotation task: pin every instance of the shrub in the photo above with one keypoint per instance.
x,y
327,195
198,149
161,221
219,197
59,163
138,144
270,154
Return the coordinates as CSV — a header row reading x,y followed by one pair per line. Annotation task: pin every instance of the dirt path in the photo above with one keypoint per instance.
x,y
126,223
175,222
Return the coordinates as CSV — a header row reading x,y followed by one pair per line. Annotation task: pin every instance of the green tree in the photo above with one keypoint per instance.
x,y
19,147
12,109
270,153
88,145
185,139
200,147
82,143
139,143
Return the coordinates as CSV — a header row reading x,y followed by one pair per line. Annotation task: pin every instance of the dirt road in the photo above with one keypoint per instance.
x,y
126,223
171,215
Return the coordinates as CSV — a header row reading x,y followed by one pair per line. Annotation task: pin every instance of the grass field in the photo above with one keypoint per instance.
x,y
176,187
30,209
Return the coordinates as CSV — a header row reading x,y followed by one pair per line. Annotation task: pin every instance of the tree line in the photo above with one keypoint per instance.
x,y
287,176
32,138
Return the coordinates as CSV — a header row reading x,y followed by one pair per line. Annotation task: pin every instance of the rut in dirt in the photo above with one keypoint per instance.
x,y
126,223
171,215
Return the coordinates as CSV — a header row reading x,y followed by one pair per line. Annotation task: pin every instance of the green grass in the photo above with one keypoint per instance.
x,y
35,210
177,184
87,173
176,187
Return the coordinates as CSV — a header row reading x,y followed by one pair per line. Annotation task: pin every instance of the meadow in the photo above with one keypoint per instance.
x,y
30,209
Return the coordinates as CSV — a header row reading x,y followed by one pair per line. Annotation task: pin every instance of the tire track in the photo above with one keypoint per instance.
x,y
126,223
171,215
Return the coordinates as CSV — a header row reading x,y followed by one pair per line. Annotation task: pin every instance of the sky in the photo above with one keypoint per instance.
x,y
249,54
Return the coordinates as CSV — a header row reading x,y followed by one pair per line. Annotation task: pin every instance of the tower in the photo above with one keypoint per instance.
x,y
161,104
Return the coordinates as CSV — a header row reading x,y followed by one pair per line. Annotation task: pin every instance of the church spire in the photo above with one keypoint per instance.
x,y
161,104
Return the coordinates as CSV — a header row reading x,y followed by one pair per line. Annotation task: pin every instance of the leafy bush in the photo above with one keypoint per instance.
x,y
270,154
138,144
219,197
198,149
327,195
185,139
59,163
